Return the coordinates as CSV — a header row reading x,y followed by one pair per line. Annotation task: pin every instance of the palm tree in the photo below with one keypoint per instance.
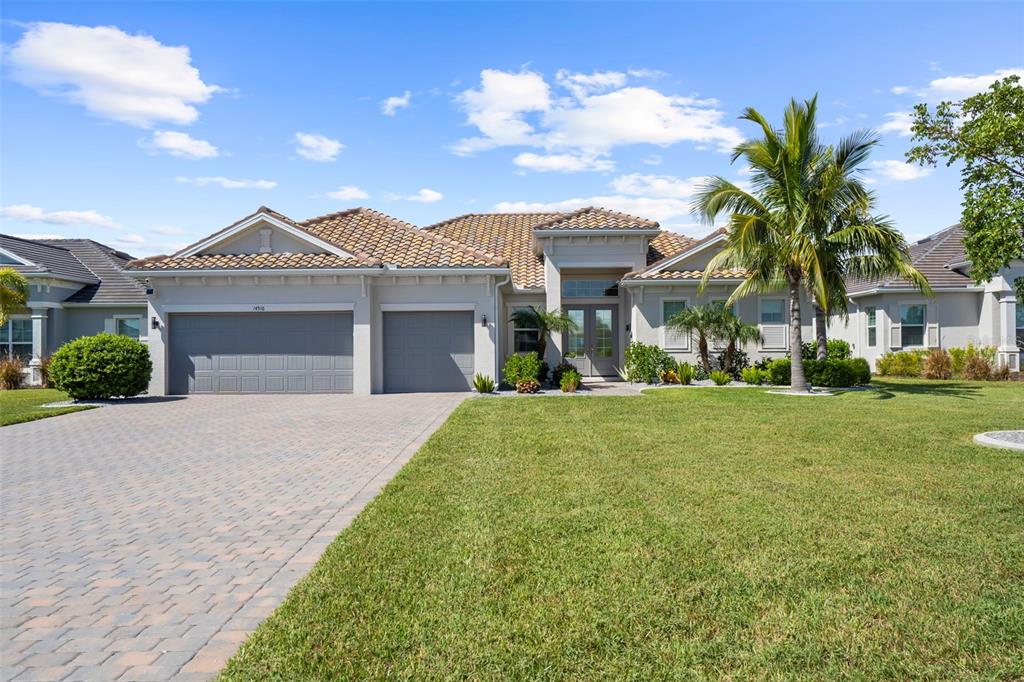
x,y
736,332
703,323
804,225
13,293
546,322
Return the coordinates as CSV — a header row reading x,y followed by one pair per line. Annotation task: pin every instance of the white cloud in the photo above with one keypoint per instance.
x,y
652,160
959,87
133,79
226,183
182,144
33,214
664,186
348,193
168,230
563,163
583,84
899,89
317,147
899,122
425,196
899,171
391,105
600,112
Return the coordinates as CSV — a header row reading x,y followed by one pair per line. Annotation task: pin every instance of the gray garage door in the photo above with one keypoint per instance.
x,y
428,351
264,353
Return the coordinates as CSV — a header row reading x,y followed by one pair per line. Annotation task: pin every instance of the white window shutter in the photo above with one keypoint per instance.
x,y
933,335
774,336
110,325
675,340
896,336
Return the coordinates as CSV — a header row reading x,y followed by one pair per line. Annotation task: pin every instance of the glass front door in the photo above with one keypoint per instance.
x,y
593,347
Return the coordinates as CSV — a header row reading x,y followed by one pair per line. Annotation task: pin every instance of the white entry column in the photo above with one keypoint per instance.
x,y
38,345
553,301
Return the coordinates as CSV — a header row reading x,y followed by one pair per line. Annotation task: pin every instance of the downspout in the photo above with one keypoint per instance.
x,y
497,339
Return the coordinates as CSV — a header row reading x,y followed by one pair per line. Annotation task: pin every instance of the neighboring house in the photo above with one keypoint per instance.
x,y
77,287
360,302
889,315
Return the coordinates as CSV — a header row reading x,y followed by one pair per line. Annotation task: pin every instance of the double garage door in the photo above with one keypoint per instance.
x,y
265,353
312,352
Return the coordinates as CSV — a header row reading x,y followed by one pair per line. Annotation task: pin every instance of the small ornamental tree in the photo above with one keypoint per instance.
x,y
100,367
985,133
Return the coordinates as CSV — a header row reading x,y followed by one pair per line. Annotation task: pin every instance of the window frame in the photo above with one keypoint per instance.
x,y
782,311
7,343
511,310
664,342
871,325
923,326
142,327
611,282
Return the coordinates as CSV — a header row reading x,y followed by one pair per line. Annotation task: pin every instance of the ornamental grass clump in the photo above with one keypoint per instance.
x,y
483,383
570,381
721,377
11,373
977,368
686,373
937,365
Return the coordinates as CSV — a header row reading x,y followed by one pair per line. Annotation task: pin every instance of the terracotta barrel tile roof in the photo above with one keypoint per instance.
x,y
591,218
395,242
685,274
257,261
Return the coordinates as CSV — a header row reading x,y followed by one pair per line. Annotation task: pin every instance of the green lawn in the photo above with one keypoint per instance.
x,y
684,534
24,405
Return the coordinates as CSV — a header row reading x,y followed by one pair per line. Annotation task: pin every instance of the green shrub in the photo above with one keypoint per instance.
x,y
835,349
483,383
685,373
721,377
101,366
521,367
779,371
755,376
960,356
902,364
560,369
570,380
977,368
740,361
527,386
11,376
937,365
644,362
861,371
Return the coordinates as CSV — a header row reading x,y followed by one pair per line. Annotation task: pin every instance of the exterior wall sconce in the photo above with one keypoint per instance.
x,y
154,322
483,320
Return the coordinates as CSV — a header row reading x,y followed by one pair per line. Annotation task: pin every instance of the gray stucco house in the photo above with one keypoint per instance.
x,y
360,302
77,287
888,315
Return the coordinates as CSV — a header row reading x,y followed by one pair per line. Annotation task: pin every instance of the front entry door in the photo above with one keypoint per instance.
x,y
593,347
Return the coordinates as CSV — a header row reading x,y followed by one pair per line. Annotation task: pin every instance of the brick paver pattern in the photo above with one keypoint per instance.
x,y
145,541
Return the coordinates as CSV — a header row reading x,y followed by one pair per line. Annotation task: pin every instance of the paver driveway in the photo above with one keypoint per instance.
x,y
145,541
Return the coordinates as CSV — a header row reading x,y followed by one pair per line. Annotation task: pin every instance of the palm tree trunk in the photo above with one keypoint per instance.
x,y
703,345
797,380
820,334
730,351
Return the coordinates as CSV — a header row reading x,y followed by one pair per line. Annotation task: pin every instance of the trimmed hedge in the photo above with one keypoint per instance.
x,y
519,368
907,363
832,373
100,367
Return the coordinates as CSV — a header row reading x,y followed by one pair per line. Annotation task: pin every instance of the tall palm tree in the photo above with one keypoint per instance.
x,y
546,322
736,332
805,224
703,323
13,293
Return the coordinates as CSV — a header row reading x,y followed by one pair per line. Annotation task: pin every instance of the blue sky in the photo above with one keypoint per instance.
x,y
148,125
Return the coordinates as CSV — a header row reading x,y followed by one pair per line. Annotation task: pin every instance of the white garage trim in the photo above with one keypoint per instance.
x,y
426,307
258,307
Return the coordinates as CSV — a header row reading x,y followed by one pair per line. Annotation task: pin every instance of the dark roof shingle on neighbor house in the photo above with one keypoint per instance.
x,y
108,265
935,257
46,258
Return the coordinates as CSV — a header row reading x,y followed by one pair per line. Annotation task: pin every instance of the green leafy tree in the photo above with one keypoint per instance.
x,y
703,323
805,223
13,293
546,322
735,332
985,133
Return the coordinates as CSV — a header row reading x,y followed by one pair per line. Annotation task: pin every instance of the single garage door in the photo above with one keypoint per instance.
x,y
261,353
428,351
